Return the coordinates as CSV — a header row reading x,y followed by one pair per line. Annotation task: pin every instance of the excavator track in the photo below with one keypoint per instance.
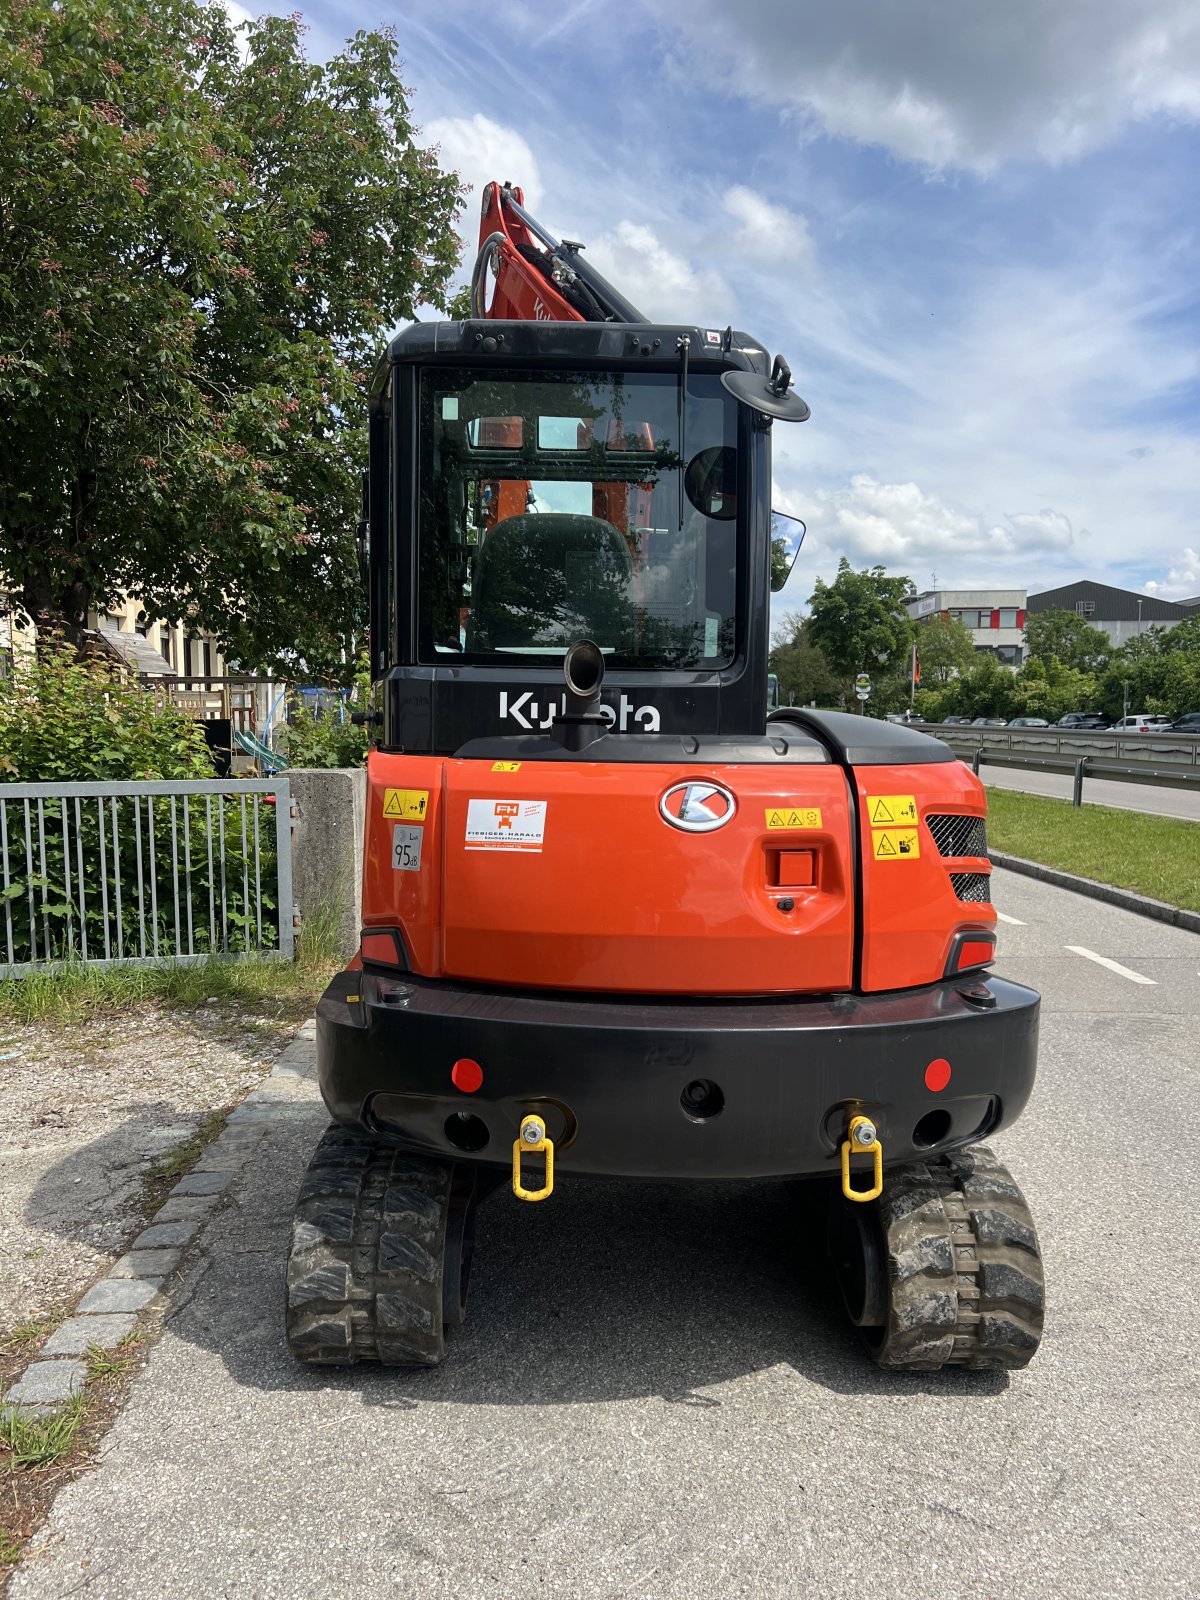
x,y
943,1269
380,1256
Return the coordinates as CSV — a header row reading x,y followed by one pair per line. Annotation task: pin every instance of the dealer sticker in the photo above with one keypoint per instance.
x,y
505,824
406,849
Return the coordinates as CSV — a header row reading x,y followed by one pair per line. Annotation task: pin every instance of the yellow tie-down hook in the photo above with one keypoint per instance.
x,y
862,1139
533,1141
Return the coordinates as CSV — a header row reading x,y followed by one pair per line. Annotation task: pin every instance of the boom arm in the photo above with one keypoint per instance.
x,y
536,278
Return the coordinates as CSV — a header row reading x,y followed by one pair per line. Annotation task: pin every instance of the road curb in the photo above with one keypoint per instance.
x,y
1126,899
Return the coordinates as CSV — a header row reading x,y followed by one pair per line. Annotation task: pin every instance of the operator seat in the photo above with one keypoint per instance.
x,y
547,578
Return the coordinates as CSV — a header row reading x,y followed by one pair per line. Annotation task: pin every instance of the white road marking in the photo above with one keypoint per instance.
x,y
1113,966
1016,921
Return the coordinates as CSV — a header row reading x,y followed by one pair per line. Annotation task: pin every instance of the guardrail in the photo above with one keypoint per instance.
x,y
1168,760
107,873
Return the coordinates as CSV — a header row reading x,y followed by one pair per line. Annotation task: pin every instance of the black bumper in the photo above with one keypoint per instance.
x,y
609,1075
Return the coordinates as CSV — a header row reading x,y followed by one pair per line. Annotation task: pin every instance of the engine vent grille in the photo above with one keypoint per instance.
x,y
958,836
976,886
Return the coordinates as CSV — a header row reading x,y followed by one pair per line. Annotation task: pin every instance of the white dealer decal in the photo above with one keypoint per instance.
x,y
505,824
527,712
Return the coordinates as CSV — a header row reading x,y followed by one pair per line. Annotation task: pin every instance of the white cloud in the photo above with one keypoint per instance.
x,y
658,279
1182,581
902,526
765,233
948,85
482,151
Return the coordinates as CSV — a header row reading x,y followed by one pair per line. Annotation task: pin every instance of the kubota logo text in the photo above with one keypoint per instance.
x,y
624,717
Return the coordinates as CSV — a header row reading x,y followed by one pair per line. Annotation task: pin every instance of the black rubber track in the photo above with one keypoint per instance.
x,y
365,1273
964,1284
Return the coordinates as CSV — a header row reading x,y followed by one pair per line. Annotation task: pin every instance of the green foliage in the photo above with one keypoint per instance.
x,y
203,241
65,720
1161,668
859,624
946,649
314,739
781,562
1067,637
804,674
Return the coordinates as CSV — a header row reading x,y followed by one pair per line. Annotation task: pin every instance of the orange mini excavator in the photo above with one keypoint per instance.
x,y
617,920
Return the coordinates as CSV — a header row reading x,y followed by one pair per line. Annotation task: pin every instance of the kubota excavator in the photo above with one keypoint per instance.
x,y
616,920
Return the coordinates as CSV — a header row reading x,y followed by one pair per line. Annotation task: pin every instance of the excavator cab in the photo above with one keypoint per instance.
x,y
538,485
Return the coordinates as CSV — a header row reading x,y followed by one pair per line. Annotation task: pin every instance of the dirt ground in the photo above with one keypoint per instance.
x,y
85,1110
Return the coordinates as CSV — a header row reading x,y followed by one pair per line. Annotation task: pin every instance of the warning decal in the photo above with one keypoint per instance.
x,y
892,810
506,766
794,817
505,824
896,844
411,804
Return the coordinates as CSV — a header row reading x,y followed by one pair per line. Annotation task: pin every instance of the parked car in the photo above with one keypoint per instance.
x,y
1029,722
989,722
1083,719
1188,723
1142,723
964,722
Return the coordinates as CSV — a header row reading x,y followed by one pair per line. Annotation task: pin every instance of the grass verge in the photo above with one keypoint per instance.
x,y
1155,856
77,993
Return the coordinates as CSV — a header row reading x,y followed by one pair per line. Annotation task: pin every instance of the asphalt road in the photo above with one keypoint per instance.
x,y
1148,797
655,1394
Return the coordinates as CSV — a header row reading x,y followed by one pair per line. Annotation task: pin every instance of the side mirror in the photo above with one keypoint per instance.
x,y
787,535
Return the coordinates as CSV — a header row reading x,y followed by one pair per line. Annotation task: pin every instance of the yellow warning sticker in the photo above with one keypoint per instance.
x,y
794,817
892,810
506,766
896,844
411,804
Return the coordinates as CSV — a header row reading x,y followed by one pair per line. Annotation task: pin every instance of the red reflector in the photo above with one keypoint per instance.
x,y
466,1075
937,1076
381,947
976,953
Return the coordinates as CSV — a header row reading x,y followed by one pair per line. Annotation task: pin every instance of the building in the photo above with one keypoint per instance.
x,y
1120,613
995,618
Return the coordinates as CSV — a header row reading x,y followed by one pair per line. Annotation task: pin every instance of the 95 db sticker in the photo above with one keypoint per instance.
x,y
406,849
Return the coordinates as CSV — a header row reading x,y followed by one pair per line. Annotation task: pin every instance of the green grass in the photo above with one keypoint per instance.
x,y
103,1364
10,1548
78,993
37,1441
181,1157
26,1334
1155,856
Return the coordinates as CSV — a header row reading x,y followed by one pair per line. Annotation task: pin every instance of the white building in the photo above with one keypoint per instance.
x,y
995,618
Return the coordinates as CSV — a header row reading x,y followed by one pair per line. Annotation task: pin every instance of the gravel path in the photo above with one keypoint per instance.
x,y
84,1110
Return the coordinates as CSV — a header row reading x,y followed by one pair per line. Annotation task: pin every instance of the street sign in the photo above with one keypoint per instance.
x,y
863,694
862,686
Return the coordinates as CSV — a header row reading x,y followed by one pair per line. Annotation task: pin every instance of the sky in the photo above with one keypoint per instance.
x,y
973,230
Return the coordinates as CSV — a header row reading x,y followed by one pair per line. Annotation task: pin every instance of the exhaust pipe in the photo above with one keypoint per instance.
x,y
583,673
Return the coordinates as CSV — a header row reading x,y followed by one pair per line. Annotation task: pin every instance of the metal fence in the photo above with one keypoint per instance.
x,y
163,872
1171,761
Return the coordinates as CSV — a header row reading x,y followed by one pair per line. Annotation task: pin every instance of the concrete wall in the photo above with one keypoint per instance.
x,y
327,848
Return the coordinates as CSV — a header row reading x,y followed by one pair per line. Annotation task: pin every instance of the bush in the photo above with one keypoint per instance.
x,y
314,740
63,720
102,875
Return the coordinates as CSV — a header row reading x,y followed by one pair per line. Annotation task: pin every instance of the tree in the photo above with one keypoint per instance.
x,y
946,649
200,250
1065,636
859,623
803,672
